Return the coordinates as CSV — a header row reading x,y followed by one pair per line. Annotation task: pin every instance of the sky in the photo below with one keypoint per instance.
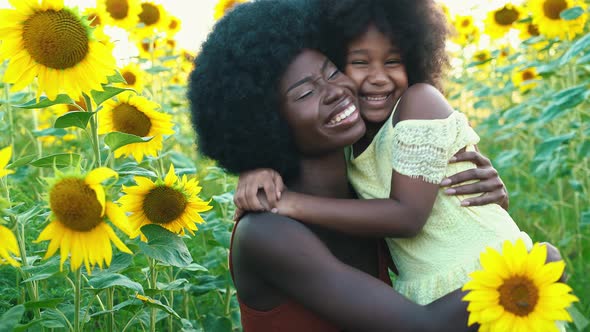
x,y
197,17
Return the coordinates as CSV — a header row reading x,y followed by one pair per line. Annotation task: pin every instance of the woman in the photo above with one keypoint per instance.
x,y
247,112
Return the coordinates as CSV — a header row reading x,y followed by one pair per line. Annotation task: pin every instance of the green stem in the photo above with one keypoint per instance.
x,y
111,315
171,298
227,300
93,132
77,298
153,281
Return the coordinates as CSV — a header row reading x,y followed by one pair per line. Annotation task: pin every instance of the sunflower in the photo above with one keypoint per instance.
x,y
8,247
153,18
466,31
149,48
525,79
136,115
501,20
55,44
134,77
5,155
224,6
78,212
173,203
546,15
482,56
122,13
517,291
173,26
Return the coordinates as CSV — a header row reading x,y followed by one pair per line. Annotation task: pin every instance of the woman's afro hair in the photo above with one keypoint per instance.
x,y
417,27
233,90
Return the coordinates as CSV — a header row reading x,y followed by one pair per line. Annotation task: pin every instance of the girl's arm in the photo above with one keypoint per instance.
x,y
411,198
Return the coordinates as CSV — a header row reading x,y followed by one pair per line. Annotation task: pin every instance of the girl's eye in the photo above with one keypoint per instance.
x,y
393,62
303,96
334,74
358,62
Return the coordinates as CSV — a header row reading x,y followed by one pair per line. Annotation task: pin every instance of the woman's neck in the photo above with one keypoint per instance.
x,y
323,176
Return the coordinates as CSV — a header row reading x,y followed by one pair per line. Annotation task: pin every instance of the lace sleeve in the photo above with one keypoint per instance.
x,y
422,148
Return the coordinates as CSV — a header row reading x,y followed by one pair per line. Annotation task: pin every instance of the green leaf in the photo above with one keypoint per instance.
x,y
545,150
44,102
150,302
135,170
165,246
579,46
11,318
116,140
177,284
217,324
120,262
73,119
113,279
157,69
580,321
194,267
116,78
22,161
585,219
59,160
109,92
168,58
49,132
48,303
53,319
584,149
571,13
584,59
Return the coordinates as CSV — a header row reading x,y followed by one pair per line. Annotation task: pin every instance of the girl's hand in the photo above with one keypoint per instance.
x,y
490,185
247,197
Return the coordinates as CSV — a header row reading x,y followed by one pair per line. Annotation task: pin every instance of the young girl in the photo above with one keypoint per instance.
x,y
412,133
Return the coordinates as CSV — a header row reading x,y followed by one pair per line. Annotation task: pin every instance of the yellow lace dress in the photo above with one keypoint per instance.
x,y
438,260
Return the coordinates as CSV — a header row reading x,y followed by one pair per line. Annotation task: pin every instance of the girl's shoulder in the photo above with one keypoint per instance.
x,y
422,101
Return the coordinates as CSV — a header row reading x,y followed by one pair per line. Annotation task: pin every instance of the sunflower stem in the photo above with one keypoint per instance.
x,y
77,298
10,114
31,286
153,280
171,298
111,315
94,132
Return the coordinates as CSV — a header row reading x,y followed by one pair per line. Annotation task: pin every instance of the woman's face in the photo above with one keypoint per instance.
x,y
375,65
320,105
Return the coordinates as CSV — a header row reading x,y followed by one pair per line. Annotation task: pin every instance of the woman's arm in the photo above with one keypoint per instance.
x,y
289,257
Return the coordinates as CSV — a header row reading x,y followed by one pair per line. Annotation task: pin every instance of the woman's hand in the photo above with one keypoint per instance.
x,y
490,186
258,190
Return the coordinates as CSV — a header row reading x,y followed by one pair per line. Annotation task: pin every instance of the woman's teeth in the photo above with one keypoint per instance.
x,y
376,98
343,115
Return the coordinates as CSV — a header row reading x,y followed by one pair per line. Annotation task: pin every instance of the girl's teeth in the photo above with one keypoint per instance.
x,y
381,98
343,115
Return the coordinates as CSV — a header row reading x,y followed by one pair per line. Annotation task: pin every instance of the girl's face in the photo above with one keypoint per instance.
x,y
320,105
376,67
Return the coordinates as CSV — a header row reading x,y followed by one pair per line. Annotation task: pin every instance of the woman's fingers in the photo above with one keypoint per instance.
x,y
471,174
472,156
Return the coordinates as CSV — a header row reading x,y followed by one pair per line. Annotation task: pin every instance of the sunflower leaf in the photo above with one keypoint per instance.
x,y
114,279
73,119
45,102
116,140
571,13
47,303
109,92
165,246
578,47
11,318
57,160
116,78
157,69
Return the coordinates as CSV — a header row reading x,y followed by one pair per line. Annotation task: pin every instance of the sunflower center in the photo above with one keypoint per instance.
x,y
94,20
74,204
118,9
128,119
465,23
506,16
129,78
533,30
481,56
527,75
55,39
519,295
552,8
149,14
164,204
173,24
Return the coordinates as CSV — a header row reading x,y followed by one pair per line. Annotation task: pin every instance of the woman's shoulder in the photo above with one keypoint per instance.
x,y
422,101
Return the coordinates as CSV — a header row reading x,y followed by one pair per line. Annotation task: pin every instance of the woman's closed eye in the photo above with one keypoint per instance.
x,y
334,74
304,95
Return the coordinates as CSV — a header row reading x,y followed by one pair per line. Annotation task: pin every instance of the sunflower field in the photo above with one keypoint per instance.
x,y
112,221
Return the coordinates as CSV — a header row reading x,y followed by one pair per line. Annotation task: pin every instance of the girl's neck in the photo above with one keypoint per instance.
x,y
323,176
